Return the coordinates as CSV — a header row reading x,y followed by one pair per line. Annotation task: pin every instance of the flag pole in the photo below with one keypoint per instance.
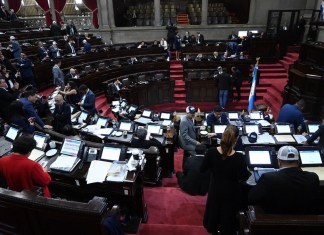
x,y
253,84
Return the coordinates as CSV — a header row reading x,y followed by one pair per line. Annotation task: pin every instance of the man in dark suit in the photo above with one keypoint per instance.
x,y
86,46
191,180
61,114
140,141
290,190
71,29
55,30
69,48
237,81
42,52
200,39
88,100
6,97
26,70
115,88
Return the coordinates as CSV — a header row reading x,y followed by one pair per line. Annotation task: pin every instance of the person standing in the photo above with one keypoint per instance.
x,y
237,81
55,30
228,169
26,70
187,134
58,75
290,190
200,39
15,47
61,114
88,100
6,98
22,173
71,29
292,114
177,45
69,47
224,85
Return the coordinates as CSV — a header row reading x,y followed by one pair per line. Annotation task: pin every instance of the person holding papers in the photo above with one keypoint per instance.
x,y
88,100
319,133
22,173
290,190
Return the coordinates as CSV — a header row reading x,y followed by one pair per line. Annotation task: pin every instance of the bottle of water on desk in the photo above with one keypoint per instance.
x,y
169,132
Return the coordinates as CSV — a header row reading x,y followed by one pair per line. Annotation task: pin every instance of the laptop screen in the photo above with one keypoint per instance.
x,y
259,157
71,147
132,108
283,129
12,134
312,128
256,115
166,116
40,140
154,129
125,126
83,116
252,128
146,113
242,34
110,153
310,157
219,129
102,121
233,115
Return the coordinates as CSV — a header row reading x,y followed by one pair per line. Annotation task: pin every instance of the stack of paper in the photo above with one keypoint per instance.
x,y
98,171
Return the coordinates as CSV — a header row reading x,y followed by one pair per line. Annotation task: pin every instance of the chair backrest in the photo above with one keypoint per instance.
x,y
192,75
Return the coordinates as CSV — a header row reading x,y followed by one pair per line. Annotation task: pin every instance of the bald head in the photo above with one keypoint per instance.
x,y
59,99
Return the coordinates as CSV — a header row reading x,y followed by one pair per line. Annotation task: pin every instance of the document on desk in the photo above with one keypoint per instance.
x,y
285,138
102,133
117,172
98,171
265,139
300,138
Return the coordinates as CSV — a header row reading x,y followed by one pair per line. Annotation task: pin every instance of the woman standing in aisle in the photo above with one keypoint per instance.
x,y
224,198
177,45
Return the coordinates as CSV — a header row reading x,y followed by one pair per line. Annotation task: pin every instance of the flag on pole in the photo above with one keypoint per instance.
x,y
253,84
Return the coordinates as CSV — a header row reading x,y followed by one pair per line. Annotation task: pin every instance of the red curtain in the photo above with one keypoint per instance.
x,y
92,5
14,4
59,5
44,5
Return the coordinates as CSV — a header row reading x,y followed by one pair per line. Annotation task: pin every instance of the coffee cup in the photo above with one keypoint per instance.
x,y
52,144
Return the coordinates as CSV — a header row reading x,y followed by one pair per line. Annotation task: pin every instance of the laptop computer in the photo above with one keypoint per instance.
x,y
41,142
219,129
310,156
262,156
102,121
283,129
12,133
112,153
312,128
70,155
154,129
256,115
126,126
249,128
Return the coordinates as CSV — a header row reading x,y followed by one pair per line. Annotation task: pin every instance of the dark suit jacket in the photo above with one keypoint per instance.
x,y
193,181
201,39
23,123
62,117
26,68
41,52
89,103
69,31
87,48
145,144
114,90
288,191
5,99
68,49
30,111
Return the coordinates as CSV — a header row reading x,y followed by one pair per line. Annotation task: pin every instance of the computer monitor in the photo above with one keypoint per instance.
x,y
132,108
312,128
260,157
219,129
252,128
310,156
242,34
83,117
102,121
165,116
147,113
71,147
283,129
126,126
233,115
253,31
110,153
256,115
41,140
154,129
12,133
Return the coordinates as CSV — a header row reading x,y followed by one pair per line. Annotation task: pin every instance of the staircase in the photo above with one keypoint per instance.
x,y
176,74
182,19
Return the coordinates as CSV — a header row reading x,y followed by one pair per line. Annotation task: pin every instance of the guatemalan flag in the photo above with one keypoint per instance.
x,y
252,91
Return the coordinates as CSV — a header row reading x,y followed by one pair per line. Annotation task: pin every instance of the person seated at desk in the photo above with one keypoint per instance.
x,y
22,173
191,180
28,104
7,63
11,79
319,133
6,98
54,51
141,45
69,48
290,190
292,113
18,117
61,114
88,100
225,56
86,46
42,52
140,141
71,75
214,57
115,88
216,117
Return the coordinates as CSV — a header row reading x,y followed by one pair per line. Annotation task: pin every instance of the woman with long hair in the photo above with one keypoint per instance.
x,y
228,169
18,118
71,93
